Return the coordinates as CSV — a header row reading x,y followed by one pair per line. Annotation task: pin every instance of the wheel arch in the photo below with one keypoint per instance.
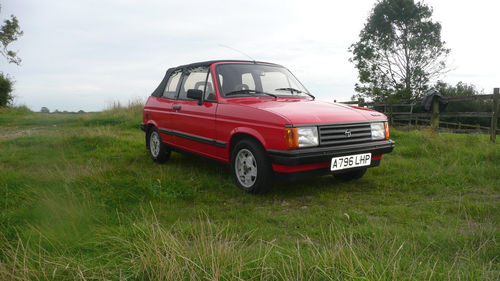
x,y
149,125
244,134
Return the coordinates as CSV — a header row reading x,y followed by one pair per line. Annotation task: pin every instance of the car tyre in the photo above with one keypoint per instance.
x,y
251,169
350,175
157,149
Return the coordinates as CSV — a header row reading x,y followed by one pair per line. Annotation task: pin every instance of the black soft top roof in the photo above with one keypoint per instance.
x,y
158,92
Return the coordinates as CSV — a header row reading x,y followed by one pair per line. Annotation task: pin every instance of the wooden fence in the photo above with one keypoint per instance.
x,y
432,118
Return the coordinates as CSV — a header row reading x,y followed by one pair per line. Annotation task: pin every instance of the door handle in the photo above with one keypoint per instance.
x,y
176,107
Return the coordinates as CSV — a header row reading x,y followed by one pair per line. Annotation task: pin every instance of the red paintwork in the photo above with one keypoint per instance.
x,y
299,168
300,110
263,118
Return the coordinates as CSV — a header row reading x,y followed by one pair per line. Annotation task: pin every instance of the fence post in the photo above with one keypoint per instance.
x,y
392,116
435,113
494,116
409,119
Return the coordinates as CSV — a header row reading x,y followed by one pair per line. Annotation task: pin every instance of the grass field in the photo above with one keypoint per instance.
x,y
81,199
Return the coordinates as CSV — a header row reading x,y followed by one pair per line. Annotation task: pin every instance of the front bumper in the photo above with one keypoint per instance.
x,y
143,127
325,154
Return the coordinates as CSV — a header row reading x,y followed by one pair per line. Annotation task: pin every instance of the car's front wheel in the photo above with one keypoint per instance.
x,y
350,175
157,149
251,169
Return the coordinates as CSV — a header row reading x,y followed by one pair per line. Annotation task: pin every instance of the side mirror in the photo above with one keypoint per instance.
x,y
195,94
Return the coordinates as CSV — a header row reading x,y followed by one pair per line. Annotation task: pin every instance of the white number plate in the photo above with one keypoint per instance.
x,y
351,161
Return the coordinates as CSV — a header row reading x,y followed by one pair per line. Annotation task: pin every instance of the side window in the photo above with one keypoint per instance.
x,y
171,88
209,91
194,78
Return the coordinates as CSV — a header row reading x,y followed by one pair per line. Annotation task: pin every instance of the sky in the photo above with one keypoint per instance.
x,y
88,54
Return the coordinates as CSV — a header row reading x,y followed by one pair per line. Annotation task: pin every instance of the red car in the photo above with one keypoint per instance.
x,y
261,120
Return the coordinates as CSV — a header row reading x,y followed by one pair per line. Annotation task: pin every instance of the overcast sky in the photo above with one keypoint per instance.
x,y
86,54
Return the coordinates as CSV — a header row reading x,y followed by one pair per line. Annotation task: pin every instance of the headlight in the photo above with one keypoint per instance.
x,y
308,136
301,137
378,130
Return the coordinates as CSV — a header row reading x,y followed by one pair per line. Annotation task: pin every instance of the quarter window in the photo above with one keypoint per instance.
x,y
171,88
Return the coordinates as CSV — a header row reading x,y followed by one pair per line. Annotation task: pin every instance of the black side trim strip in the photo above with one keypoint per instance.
x,y
194,138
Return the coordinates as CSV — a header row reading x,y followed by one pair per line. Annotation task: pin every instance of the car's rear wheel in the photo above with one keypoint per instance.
x,y
251,168
350,175
157,149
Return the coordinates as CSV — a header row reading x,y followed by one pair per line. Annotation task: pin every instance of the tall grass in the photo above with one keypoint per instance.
x,y
15,110
207,251
80,199
136,104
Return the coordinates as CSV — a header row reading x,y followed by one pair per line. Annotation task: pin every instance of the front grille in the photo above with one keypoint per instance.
x,y
339,134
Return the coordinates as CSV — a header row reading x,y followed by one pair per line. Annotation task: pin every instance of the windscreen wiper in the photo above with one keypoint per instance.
x,y
242,92
295,90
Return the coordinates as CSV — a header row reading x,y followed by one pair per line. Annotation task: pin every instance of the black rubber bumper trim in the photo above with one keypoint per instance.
x,y
194,138
143,127
325,154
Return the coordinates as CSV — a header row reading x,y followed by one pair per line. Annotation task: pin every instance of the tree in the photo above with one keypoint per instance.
x,y
399,51
464,89
5,90
9,32
461,89
44,110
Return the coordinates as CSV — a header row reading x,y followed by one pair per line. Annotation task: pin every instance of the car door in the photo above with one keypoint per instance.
x,y
194,123
163,110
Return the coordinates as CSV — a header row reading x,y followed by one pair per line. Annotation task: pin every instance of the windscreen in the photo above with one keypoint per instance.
x,y
236,80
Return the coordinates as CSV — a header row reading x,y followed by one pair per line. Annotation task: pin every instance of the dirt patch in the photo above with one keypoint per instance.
x,y
11,134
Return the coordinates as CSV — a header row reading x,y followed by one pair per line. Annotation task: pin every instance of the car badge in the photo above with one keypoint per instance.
x,y
347,133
